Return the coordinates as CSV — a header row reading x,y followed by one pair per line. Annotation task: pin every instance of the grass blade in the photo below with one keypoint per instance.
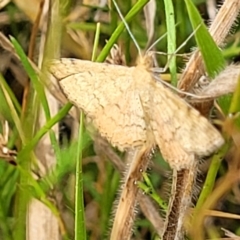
x,y
212,55
80,228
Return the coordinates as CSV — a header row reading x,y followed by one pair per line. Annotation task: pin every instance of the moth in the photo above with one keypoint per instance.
x,y
130,108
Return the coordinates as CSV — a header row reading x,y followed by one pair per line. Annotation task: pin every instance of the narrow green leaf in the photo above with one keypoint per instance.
x,y
13,111
211,176
47,126
11,95
96,41
80,228
235,106
135,9
212,55
32,75
171,33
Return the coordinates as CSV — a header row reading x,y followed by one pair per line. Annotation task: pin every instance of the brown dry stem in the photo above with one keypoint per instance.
x,y
180,200
146,205
125,212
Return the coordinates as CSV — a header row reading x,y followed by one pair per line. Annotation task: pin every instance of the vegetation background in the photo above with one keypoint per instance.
x,y
47,141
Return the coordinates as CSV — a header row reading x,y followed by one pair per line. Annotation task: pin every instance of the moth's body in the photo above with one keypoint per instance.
x,y
130,108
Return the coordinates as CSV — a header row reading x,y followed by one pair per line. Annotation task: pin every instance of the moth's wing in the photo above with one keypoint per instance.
x,y
173,120
123,122
90,85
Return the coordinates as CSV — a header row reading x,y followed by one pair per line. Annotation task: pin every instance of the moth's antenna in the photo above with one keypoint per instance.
x,y
157,41
175,53
127,27
189,37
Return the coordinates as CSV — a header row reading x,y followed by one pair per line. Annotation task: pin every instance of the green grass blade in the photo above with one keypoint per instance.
x,y
13,111
235,106
96,41
33,76
37,191
211,176
148,188
48,125
80,228
211,54
134,10
39,88
171,34
11,94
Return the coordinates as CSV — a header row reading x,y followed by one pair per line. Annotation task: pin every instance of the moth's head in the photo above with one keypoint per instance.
x,y
146,60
